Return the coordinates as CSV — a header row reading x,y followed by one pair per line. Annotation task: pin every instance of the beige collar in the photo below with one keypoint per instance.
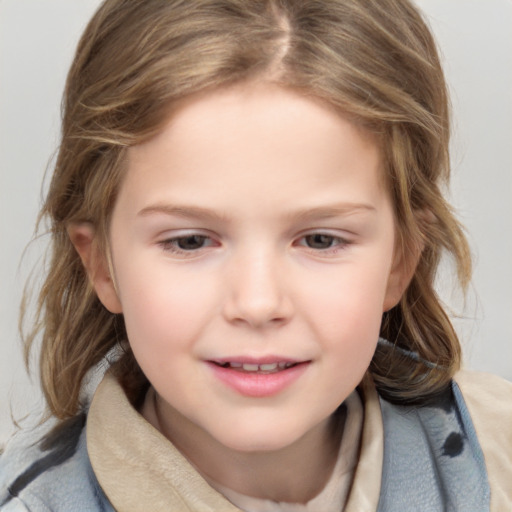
x,y
139,469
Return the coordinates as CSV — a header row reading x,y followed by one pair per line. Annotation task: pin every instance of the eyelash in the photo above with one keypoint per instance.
x,y
171,245
336,245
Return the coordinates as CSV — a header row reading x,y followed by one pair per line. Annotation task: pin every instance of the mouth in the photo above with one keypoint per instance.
x,y
256,368
258,378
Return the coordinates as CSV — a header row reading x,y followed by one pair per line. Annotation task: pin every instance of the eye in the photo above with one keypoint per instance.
x,y
320,241
190,243
323,243
187,244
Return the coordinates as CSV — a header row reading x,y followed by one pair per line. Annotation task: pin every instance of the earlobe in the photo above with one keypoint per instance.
x,y
82,236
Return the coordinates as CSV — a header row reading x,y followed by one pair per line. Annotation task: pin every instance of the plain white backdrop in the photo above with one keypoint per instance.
x,y
37,41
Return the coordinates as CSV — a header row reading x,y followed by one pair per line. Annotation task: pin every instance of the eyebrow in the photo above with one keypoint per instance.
x,y
195,212
337,210
314,213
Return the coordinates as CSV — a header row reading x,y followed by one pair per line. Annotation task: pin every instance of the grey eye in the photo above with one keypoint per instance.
x,y
319,241
192,242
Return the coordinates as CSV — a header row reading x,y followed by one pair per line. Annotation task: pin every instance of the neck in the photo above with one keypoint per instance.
x,y
295,473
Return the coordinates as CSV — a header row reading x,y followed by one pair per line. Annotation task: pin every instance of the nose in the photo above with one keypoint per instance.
x,y
257,293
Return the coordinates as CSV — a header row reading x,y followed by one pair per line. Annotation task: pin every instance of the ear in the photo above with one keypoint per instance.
x,y
404,265
82,236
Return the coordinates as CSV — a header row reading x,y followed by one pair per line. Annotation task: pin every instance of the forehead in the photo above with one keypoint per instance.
x,y
256,138
252,107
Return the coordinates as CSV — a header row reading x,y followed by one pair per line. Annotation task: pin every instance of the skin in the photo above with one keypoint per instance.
x,y
255,224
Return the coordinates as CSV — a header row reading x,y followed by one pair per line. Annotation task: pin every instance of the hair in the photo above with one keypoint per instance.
x,y
374,61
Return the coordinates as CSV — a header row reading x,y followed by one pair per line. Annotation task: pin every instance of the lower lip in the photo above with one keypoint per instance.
x,y
258,385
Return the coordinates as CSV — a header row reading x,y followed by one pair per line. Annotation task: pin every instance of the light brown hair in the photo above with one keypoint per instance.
x,y
375,61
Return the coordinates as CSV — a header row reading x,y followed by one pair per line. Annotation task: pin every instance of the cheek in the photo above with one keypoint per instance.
x,y
164,308
346,312
354,293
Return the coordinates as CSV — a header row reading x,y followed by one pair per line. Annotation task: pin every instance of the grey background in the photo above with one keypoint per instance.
x,y
37,40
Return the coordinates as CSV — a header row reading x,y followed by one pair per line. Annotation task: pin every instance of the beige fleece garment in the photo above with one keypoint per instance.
x,y
489,401
139,469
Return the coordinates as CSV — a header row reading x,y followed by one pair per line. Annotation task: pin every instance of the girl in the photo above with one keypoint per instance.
x,y
246,221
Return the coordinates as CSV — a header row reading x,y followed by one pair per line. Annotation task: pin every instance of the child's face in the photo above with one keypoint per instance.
x,y
255,229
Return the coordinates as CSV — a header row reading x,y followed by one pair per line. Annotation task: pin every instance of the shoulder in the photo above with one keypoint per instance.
x,y
485,393
49,470
456,449
432,457
488,399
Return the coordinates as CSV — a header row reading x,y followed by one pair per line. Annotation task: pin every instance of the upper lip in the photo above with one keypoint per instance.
x,y
270,359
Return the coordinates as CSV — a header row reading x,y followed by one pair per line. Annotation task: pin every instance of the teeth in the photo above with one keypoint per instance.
x,y
250,367
253,367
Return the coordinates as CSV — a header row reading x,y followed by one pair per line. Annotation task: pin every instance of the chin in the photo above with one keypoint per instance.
x,y
266,438
258,446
